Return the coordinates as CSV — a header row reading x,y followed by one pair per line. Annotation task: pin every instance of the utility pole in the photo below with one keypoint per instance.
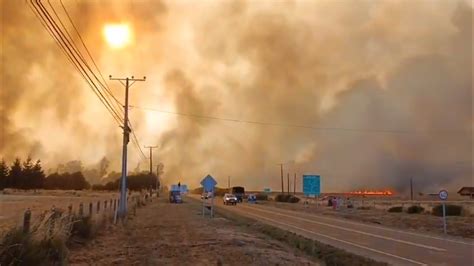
x,y
288,177
158,171
294,185
151,165
122,208
281,172
228,183
411,188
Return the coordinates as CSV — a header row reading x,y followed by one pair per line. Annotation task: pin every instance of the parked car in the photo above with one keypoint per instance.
x,y
175,197
229,199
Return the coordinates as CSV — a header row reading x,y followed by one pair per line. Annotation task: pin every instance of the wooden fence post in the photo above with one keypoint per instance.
x,y
105,205
27,221
81,209
98,206
90,209
115,204
53,221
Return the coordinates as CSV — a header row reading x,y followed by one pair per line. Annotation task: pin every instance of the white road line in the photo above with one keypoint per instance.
x,y
339,240
353,230
341,220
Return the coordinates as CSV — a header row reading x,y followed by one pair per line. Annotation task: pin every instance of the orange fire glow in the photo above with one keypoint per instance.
x,y
372,192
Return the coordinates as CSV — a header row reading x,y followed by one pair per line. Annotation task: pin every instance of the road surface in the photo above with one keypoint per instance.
x,y
380,243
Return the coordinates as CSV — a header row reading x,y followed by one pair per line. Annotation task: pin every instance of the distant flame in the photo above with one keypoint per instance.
x,y
373,192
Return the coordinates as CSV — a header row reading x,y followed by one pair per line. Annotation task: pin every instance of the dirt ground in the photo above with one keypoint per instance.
x,y
456,226
176,234
13,204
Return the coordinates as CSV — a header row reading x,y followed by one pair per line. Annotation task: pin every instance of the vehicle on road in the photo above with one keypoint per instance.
x,y
239,192
252,198
206,195
175,197
229,199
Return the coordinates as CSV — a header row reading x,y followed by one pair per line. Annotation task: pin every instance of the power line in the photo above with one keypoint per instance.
x,y
342,129
136,142
71,52
64,40
106,87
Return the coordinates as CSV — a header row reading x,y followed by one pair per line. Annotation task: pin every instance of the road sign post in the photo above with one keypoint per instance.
x,y
443,196
208,184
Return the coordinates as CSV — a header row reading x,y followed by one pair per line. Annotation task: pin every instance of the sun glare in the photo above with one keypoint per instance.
x,y
117,35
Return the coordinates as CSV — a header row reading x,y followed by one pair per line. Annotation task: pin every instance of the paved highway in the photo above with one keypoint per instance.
x,y
390,245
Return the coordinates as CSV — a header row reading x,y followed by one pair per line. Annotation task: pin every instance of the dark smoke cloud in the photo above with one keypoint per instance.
x,y
374,65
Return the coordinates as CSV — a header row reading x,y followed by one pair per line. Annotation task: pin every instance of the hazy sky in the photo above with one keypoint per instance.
x,y
382,88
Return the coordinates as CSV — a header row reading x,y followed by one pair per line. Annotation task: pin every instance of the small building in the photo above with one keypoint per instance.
x,y
467,191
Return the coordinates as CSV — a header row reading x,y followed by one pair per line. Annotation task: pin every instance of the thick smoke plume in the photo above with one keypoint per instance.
x,y
386,87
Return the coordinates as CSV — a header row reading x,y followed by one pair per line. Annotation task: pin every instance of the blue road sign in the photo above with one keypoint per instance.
x,y
208,183
443,195
311,185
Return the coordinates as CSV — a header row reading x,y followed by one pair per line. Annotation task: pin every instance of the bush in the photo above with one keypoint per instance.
x,y
363,208
282,197
262,196
293,199
82,227
18,248
396,209
286,198
415,209
451,210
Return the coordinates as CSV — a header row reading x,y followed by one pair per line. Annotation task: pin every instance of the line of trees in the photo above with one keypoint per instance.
x,y
137,181
29,175
22,175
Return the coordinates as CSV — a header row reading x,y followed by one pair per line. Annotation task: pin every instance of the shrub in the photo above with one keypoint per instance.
x,y
451,210
82,227
287,198
282,197
396,209
415,209
18,248
293,199
262,196
363,208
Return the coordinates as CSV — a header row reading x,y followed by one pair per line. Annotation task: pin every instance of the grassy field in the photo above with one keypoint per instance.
x,y
13,204
423,222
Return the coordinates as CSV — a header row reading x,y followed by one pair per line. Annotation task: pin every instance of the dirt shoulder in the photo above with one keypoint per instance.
x,y
163,233
457,225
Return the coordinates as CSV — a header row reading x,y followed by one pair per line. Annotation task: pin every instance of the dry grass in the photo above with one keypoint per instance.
x,y
417,222
45,243
14,203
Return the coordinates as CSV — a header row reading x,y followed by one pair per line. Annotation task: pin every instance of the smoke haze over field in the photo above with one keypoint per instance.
x,y
389,83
